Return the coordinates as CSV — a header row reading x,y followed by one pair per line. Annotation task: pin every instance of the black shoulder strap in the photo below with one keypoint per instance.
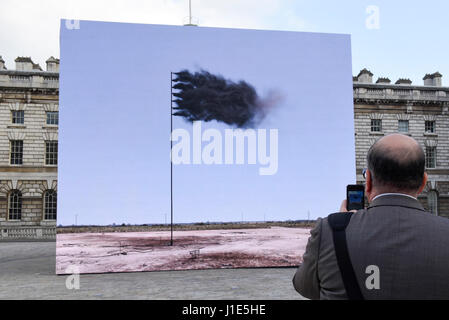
x,y
338,223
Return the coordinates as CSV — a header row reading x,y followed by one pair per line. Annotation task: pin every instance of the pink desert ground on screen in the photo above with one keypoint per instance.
x,y
192,249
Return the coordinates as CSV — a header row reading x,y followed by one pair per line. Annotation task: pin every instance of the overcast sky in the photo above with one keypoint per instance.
x,y
408,43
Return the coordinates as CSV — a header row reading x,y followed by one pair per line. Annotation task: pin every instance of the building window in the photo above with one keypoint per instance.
x,y
16,148
403,126
51,152
52,117
50,205
15,205
432,202
376,125
431,153
430,126
18,117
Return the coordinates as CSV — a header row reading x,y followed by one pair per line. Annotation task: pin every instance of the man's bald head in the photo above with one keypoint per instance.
x,y
396,163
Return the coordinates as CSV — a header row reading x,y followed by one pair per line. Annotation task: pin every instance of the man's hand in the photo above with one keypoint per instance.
x,y
343,207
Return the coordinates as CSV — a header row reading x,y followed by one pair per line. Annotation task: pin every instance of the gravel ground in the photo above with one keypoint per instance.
x,y
149,251
27,271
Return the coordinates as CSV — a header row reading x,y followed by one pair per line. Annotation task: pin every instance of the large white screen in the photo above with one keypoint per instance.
x,y
115,124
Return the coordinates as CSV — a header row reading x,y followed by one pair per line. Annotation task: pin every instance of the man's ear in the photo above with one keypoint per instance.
x,y
423,185
368,183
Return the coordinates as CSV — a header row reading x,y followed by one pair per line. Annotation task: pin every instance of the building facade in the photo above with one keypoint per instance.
x,y
28,149
29,139
421,112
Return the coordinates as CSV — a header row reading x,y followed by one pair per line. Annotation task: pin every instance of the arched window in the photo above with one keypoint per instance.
x,y
432,202
15,205
50,205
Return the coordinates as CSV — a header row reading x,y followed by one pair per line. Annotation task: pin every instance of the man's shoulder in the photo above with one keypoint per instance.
x,y
388,220
386,216
332,216
432,220
388,212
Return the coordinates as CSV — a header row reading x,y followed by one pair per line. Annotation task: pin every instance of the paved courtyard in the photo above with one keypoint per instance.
x,y
27,271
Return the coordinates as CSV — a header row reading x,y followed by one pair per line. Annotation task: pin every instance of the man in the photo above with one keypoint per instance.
x,y
394,239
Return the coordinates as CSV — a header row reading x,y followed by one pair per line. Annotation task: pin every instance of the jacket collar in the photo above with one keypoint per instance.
x,y
396,200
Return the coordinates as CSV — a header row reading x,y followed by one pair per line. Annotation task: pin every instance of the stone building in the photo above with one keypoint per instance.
x,y
28,149
29,139
421,112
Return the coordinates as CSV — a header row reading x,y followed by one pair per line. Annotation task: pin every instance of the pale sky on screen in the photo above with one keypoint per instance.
x,y
114,124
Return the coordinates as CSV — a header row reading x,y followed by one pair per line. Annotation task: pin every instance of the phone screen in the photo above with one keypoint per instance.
x,y
355,197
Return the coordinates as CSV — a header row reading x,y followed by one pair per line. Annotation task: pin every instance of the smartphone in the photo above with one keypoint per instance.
x,y
355,197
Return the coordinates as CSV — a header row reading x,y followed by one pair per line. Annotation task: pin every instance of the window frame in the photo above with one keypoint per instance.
x,y
429,124
55,119
48,153
378,125
14,152
399,126
19,205
15,117
48,216
432,156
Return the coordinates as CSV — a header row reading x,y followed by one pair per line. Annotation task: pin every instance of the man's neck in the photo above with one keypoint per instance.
x,y
393,194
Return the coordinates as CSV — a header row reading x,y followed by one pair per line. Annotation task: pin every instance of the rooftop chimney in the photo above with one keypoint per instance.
x,y
2,64
404,81
24,64
365,76
383,80
52,64
433,79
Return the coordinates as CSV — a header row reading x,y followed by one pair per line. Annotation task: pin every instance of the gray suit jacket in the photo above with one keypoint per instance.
x,y
409,245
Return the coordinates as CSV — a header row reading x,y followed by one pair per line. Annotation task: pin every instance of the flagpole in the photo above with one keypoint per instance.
x,y
171,158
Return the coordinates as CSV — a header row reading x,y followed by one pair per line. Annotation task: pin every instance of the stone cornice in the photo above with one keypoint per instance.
x,y
29,73
42,90
396,101
400,94
28,169
398,86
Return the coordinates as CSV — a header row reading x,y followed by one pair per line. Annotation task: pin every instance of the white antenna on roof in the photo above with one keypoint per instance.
x,y
192,21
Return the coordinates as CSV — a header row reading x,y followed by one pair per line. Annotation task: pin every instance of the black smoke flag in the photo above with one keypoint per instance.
x,y
205,96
